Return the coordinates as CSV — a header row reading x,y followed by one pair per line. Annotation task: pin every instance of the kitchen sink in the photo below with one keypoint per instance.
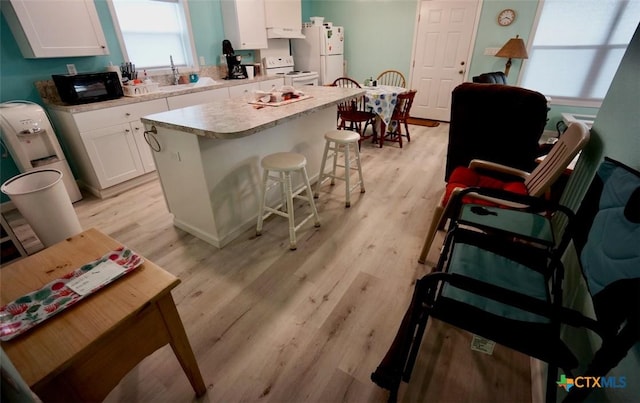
x,y
203,82
178,87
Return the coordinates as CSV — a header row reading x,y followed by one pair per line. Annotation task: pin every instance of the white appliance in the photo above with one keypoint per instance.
x,y
321,50
32,143
283,66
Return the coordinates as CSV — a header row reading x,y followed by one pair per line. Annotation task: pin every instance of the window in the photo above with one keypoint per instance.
x,y
577,47
152,30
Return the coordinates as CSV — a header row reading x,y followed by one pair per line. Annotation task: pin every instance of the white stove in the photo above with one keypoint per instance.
x,y
282,66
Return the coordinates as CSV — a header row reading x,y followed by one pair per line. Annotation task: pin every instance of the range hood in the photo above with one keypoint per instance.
x,y
289,33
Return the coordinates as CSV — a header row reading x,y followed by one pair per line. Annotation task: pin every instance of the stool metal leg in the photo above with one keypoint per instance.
x,y
359,169
336,150
265,178
292,226
283,192
310,197
347,174
322,167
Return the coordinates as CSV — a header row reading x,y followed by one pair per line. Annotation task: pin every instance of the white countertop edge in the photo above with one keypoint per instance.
x,y
227,119
149,97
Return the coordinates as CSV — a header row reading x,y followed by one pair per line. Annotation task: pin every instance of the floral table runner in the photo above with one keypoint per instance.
x,y
31,309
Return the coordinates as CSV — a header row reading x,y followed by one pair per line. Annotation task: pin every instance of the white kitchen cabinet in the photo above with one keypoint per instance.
x,y
244,23
268,84
196,98
283,14
55,28
108,145
144,150
243,90
113,153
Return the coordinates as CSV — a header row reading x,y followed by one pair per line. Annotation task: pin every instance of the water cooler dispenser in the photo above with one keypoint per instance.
x,y
32,143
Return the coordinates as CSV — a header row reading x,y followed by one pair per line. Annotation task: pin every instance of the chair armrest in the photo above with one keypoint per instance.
x,y
527,203
530,203
492,166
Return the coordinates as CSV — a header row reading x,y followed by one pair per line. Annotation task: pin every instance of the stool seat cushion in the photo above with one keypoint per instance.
x,y
464,177
285,161
342,136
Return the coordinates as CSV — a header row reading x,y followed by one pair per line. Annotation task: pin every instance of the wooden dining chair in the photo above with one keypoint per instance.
x,y
391,77
400,117
345,82
352,113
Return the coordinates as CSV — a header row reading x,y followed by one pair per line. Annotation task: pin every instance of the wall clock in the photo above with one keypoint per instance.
x,y
506,17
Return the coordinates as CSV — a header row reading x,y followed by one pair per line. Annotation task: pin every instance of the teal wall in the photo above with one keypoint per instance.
x,y
18,74
491,35
379,36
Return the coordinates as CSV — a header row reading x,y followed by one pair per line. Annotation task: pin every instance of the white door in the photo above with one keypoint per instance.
x,y
442,49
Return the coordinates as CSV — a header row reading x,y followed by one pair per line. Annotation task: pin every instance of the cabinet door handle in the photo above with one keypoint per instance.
x,y
127,130
127,114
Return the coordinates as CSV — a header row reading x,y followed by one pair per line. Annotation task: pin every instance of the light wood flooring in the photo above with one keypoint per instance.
x,y
271,325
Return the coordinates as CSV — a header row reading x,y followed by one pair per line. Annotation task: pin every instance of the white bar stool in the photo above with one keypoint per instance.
x,y
285,163
340,141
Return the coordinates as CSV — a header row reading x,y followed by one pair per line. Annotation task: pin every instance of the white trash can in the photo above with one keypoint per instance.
x,y
43,201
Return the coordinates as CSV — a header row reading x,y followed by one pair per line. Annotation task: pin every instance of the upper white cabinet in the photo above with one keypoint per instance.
x,y
55,28
283,14
244,23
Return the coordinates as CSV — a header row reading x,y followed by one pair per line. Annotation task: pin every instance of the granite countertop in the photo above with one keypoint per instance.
x,y
50,96
236,118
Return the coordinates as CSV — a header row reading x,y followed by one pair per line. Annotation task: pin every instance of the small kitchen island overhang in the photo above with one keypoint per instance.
x,y
208,157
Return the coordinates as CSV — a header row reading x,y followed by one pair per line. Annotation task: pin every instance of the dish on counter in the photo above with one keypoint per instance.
x,y
284,93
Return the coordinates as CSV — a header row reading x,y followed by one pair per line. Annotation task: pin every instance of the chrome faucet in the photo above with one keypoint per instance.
x,y
174,69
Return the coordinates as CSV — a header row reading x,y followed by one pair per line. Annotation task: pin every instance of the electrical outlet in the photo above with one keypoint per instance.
x,y
201,60
71,68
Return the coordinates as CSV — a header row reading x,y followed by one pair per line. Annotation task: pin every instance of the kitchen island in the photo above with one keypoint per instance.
x,y
208,156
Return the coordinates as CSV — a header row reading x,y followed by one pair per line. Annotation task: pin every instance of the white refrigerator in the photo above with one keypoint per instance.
x,y
321,50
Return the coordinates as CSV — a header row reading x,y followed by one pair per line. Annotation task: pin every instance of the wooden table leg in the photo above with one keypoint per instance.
x,y
383,130
180,343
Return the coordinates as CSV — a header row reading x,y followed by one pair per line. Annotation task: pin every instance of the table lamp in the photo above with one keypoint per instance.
x,y
513,49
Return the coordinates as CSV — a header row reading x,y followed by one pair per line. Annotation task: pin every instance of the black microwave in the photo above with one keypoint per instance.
x,y
88,87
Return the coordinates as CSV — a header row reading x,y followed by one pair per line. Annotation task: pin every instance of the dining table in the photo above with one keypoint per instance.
x,y
382,100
